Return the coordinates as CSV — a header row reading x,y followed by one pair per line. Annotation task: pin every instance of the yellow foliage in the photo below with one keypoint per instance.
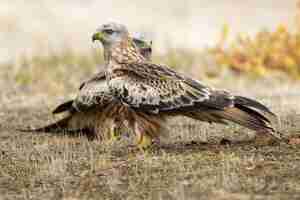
x,y
261,54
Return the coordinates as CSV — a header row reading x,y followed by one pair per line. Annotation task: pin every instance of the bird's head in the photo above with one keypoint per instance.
x,y
144,46
119,46
111,34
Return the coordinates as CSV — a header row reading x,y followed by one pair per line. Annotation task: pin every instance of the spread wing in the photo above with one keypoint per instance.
x,y
92,93
156,88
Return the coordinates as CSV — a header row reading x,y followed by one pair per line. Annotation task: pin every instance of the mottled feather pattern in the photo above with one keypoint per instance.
x,y
154,88
126,51
157,89
94,94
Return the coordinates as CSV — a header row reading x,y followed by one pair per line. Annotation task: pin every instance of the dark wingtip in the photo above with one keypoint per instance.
x,y
63,107
82,85
24,130
30,129
254,104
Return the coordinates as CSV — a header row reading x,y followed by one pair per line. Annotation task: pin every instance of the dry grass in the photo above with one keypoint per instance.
x,y
188,165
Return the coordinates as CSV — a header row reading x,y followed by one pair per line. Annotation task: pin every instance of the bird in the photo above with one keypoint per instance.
x,y
94,110
152,93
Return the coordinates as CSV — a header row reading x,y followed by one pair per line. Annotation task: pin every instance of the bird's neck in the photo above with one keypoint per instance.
x,y
123,52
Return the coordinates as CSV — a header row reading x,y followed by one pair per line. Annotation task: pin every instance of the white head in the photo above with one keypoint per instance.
x,y
114,34
111,34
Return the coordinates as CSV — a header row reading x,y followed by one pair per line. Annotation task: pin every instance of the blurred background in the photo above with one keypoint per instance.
x,y
29,26
41,41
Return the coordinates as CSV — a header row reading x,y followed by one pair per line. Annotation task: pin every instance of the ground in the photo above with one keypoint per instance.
x,y
192,163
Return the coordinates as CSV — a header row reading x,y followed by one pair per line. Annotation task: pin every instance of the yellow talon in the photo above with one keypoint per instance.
x,y
144,141
114,133
114,136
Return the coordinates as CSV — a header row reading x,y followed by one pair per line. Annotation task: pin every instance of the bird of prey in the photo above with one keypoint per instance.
x,y
94,111
151,93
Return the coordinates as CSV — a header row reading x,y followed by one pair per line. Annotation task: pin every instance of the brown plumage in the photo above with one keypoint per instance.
x,y
156,92
94,112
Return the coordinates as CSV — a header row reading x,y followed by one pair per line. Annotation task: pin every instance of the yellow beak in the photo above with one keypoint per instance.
x,y
97,36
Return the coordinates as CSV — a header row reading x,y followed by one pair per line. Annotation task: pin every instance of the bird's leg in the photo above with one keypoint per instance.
x,y
115,130
113,135
143,140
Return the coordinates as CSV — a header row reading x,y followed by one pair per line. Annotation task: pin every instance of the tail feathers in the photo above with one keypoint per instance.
x,y
67,106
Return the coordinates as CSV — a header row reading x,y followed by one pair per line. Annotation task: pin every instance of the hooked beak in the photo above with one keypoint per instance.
x,y
97,36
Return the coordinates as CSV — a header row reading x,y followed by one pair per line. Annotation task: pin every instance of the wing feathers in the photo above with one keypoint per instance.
x,y
67,106
253,104
249,120
159,89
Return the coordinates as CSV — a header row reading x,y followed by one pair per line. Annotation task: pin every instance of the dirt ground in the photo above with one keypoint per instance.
x,y
190,164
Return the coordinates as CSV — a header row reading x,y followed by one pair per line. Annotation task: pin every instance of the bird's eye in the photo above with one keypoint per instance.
x,y
109,31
